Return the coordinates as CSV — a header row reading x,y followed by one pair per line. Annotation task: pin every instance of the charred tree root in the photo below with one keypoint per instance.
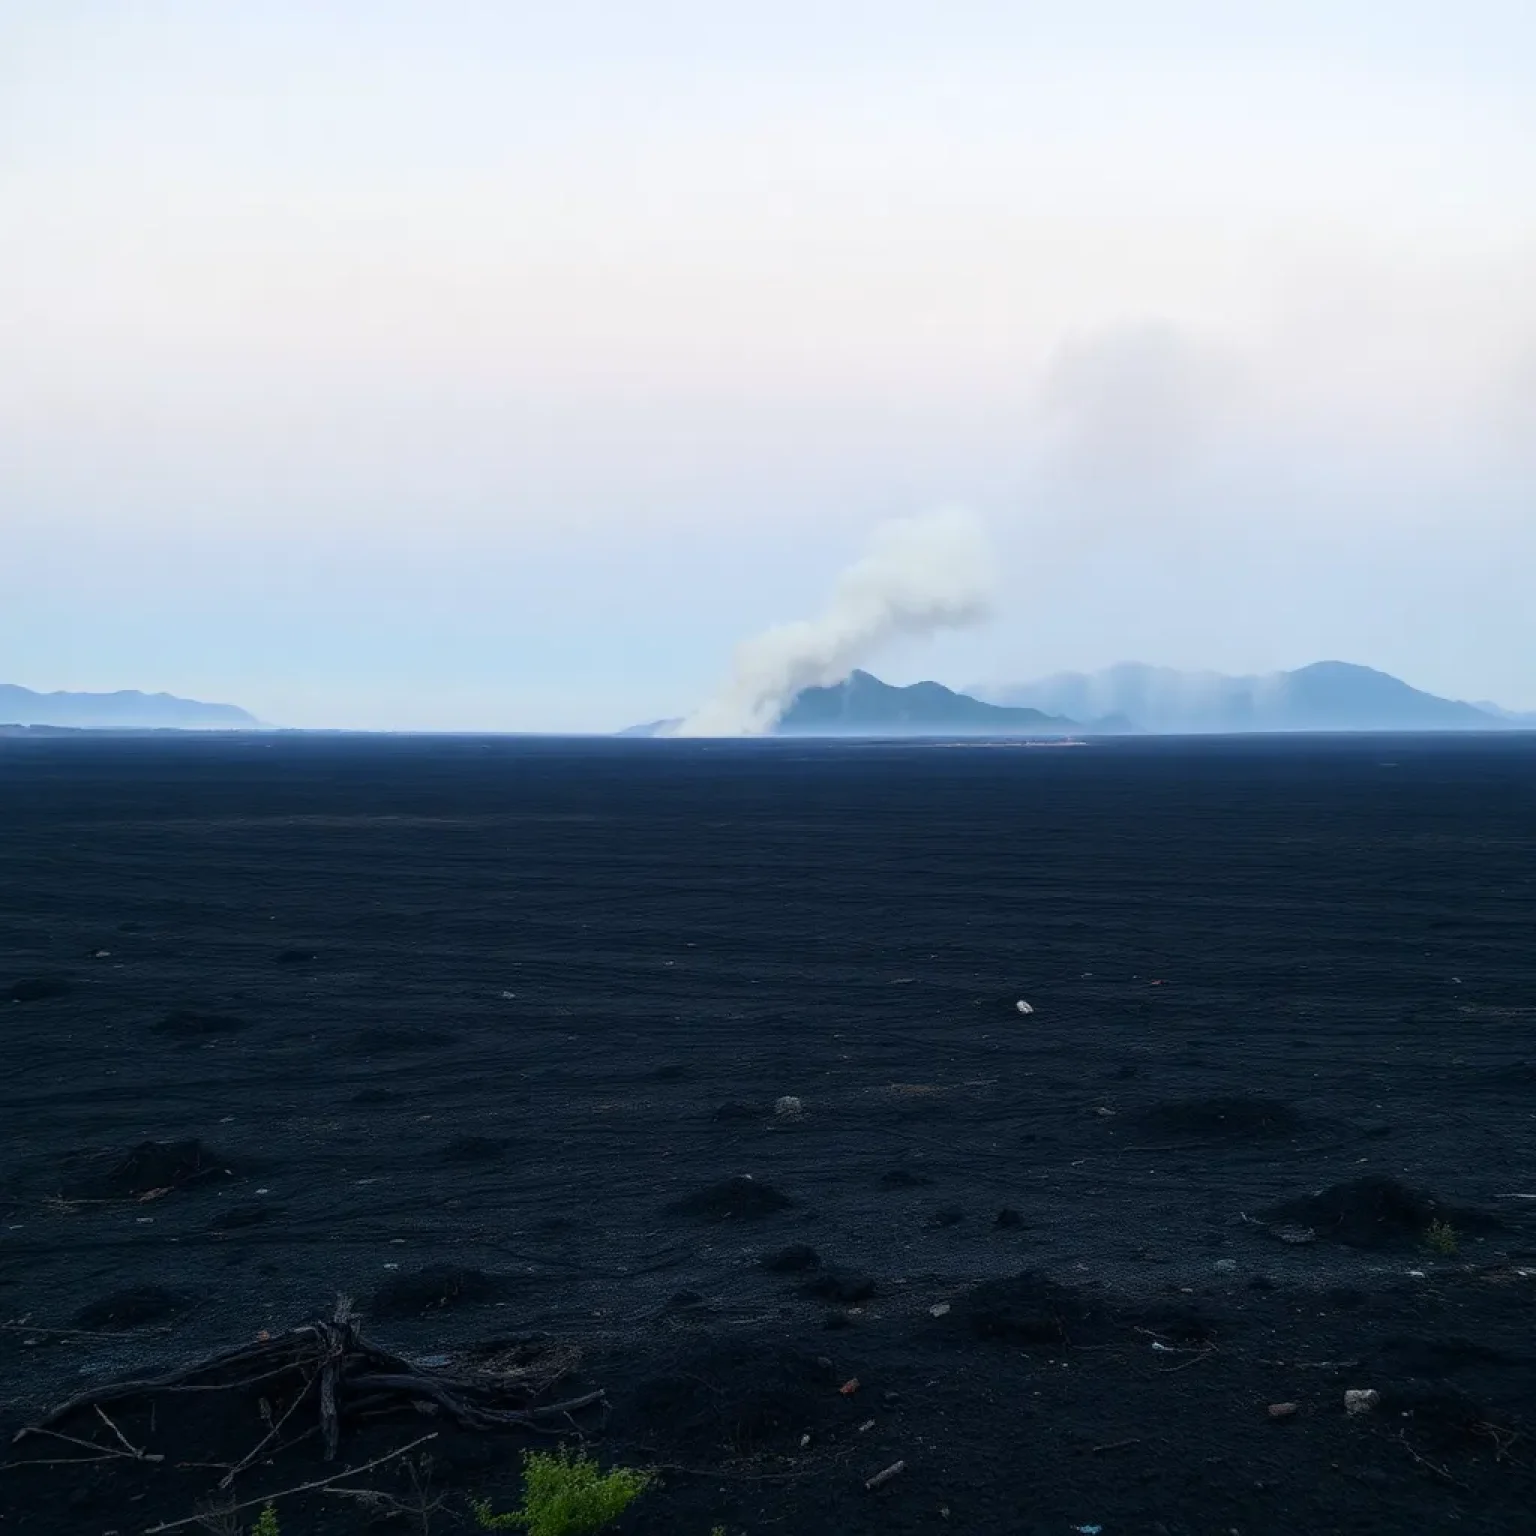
x,y
346,1377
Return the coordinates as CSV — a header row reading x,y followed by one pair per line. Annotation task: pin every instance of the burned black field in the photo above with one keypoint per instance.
x,y
693,1076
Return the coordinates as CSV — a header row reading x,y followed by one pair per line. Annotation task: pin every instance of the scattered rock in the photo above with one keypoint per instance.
x,y
742,1198
1361,1400
1284,1410
794,1259
788,1107
1225,1266
1023,1007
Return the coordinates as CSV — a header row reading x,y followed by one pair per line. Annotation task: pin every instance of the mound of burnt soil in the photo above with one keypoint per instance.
x,y
844,1286
1030,1308
742,1198
384,1040
1441,1416
729,1399
436,1288
734,1110
1374,1212
151,1166
1435,1357
134,1307
35,989
795,1259
1234,1119
184,1024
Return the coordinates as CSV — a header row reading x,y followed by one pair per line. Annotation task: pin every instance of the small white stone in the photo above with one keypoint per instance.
x,y
1023,1007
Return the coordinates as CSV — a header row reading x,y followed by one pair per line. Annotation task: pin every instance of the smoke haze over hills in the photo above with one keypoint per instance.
x,y
1326,696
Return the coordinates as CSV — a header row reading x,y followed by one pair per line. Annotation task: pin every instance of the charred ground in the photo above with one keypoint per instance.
x,y
489,1036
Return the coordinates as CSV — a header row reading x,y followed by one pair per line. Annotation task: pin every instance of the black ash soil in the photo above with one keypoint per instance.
x,y
490,1035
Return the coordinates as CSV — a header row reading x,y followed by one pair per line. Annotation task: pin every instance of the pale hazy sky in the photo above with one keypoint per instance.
x,y
452,364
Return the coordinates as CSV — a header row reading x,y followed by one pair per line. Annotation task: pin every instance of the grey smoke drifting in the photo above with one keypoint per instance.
x,y
922,574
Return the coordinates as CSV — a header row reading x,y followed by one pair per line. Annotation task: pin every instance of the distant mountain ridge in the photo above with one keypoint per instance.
x,y
862,705
1326,696
127,710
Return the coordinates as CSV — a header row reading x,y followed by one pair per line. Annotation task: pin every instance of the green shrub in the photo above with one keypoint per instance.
x,y
566,1495
266,1523
1440,1237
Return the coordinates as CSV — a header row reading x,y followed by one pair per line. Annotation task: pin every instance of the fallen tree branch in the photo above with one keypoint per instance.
x,y
325,1364
288,1493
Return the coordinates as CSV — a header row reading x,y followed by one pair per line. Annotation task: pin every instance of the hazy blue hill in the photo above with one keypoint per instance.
x,y
125,711
652,728
1326,696
1337,695
865,706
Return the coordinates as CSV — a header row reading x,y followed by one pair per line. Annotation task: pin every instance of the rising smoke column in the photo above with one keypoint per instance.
x,y
922,574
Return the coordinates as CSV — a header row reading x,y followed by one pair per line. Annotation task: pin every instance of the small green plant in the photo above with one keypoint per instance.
x,y
566,1495
1440,1237
266,1523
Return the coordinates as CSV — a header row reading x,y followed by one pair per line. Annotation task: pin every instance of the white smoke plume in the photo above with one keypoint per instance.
x,y
922,574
